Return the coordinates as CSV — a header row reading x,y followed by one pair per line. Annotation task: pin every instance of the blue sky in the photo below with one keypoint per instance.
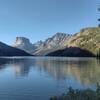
x,y
39,19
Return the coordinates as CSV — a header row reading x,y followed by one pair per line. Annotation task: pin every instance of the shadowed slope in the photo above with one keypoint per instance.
x,y
6,50
72,52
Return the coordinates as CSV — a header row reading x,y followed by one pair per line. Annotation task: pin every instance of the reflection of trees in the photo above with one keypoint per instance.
x,y
87,71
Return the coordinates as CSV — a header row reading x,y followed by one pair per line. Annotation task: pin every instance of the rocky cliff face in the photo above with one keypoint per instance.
x,y
57,40
42,47
24,44
51,44
88,38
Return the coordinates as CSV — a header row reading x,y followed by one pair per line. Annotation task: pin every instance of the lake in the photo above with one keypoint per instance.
x,y
39,78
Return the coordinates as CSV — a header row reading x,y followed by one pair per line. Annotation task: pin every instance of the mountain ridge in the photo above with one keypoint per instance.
x,y
6,50
87,38
42,47
71,52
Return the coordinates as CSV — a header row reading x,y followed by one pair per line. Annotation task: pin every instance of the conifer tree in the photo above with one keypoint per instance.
x,y
99,18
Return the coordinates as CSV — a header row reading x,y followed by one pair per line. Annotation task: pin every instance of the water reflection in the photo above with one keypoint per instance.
x,y
84,70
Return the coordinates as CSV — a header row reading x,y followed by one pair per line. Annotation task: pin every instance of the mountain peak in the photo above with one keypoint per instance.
x,y
24,44
20,40
52,43
60,34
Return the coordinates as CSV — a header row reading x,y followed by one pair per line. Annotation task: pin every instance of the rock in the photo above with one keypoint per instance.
x,y
23,44
87,38
42,47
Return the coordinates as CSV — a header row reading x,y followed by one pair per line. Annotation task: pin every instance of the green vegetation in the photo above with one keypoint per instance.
x,y
87,94
88,38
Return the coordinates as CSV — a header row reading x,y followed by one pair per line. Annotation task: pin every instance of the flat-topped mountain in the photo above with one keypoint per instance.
x,y
42,47
87,38
24,44
6,50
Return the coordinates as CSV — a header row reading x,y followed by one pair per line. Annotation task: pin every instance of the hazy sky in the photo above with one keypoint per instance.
x,y
39,19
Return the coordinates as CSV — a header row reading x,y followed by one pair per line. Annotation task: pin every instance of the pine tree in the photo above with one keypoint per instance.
x,y
99,18
98,53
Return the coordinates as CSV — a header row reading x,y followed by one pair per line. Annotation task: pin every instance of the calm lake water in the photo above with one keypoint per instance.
x,y
39,78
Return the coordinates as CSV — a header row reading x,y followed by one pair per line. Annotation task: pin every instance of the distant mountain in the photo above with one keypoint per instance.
x,y
6,50
72,52
24,44
42,47
86,43
87,39
51,44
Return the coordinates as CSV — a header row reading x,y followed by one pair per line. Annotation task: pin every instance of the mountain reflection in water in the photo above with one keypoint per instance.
x,y
84,70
